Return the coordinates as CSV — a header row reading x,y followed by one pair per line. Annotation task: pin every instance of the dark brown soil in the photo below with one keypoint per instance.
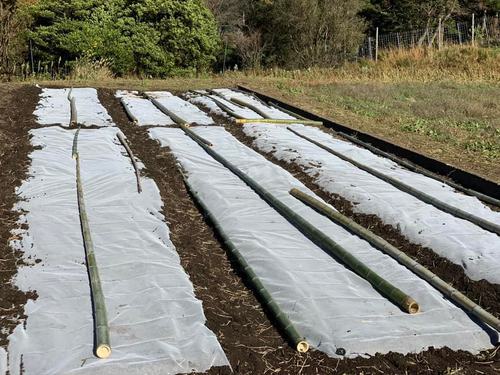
x,y
251,342
17,104
481,292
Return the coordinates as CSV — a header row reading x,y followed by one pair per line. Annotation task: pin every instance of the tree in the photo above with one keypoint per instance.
x,y
402,15
146,37
303,33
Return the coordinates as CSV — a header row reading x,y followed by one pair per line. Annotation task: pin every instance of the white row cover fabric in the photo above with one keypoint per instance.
x,y
143,110
330,305
458,240
185,110
156,322
269,111
210,102
54,108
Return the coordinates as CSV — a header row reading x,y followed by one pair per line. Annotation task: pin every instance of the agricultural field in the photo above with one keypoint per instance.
x,y
148,228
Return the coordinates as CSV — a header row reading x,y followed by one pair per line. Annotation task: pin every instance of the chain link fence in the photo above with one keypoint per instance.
x,y
484,31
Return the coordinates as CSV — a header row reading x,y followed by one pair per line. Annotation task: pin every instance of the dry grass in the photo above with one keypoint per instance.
x,y
445,103
456,63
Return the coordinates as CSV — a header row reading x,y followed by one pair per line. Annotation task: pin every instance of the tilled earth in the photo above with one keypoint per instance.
x,y
249,338
17,104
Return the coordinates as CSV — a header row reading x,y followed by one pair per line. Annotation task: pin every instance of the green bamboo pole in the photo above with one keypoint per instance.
x,y
123,141
102,342
278,121
129,112
384,246
320,239
418,169
177,119
492,227
411,166
74,152
297,341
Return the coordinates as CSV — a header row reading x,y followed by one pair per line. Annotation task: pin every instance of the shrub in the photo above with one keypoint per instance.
x,y
148,37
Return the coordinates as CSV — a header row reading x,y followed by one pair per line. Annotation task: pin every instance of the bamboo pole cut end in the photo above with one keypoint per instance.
x,y
412,306
103,351
302,346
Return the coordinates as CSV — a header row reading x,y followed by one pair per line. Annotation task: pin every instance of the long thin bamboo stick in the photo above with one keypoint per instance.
x,y
278,121
251,106
223,97
401,257
102,342
288,112
123,141
177,119
297,341
320,239
492,227
222,106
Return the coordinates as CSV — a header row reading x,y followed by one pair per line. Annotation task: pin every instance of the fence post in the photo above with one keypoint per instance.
x,y
485,29
459,34
370,47
31,57
399,40
440,34
473,29
376,44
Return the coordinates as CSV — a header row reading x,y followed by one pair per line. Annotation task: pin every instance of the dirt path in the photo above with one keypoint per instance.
x,y
17,104
251,342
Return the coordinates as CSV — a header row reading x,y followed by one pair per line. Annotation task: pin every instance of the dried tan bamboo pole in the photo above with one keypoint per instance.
x,y
123,141
74,117
251,106
384,246
129,112
222,106
102,343
73,114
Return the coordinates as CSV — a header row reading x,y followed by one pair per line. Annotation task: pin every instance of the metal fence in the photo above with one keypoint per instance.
x,y
485,31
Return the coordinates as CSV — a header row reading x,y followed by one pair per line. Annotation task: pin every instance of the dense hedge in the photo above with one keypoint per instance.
x,y
148,37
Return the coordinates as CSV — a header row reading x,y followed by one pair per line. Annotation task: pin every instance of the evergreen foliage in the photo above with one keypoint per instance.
x,y
148,37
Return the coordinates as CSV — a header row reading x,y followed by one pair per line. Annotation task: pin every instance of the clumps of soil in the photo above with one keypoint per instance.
x,y
251,342
482,292
17,104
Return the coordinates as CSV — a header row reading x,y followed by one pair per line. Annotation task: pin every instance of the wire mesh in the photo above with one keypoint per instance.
x,y
486,32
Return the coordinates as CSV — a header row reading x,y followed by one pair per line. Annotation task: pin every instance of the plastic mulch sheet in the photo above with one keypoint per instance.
x,y
330,305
